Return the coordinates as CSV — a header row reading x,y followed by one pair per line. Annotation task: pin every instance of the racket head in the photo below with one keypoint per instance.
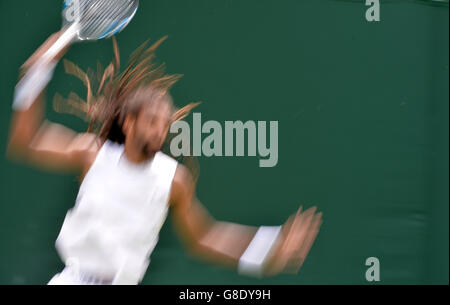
x,y
98,19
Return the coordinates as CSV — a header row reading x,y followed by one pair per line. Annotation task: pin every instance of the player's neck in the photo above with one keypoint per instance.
x,y
135,156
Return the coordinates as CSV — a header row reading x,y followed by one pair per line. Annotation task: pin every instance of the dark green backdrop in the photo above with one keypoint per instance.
x,y
363,132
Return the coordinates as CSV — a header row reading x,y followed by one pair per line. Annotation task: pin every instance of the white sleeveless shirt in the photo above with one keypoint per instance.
x,y
119,211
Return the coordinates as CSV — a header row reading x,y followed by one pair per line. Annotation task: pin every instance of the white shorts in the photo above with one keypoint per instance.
x,y
72,276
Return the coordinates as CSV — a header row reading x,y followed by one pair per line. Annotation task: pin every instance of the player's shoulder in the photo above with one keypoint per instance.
x,y
182,173
182,186
183,178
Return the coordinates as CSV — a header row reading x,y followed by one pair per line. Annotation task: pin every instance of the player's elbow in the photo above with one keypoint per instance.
x,y
17,147
16,154
208,254
194,249
198,251
19,138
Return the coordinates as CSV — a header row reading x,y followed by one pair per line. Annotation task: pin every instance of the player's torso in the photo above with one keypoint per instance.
x,y
118,188
119,212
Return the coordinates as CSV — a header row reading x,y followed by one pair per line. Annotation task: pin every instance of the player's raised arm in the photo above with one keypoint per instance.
x,y
257,251
42,143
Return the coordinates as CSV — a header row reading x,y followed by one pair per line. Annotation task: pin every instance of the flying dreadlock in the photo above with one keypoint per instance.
x,y
109,92
111,95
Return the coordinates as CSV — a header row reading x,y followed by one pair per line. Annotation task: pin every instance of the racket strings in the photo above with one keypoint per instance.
x,y
95,24
99,19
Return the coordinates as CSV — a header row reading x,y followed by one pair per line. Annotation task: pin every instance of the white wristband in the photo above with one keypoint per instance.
x,y
32,84
254,259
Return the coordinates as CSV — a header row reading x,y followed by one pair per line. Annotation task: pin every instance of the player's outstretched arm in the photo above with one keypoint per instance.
x,y
258,251
48,145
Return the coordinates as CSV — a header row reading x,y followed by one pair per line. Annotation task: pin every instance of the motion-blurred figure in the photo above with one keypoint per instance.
x,y
128,184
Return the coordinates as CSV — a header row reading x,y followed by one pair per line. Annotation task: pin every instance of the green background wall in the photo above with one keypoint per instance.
x,y
363,132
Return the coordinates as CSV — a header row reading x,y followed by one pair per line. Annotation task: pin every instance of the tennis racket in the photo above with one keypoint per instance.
x,y
82,20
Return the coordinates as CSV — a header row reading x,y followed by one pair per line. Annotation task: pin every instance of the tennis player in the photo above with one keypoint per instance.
x,y
128,184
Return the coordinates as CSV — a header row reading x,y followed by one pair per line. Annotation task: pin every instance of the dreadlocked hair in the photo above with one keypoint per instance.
x,y
112,95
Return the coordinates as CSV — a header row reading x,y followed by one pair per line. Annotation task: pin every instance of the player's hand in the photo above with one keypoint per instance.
x,y
297,236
